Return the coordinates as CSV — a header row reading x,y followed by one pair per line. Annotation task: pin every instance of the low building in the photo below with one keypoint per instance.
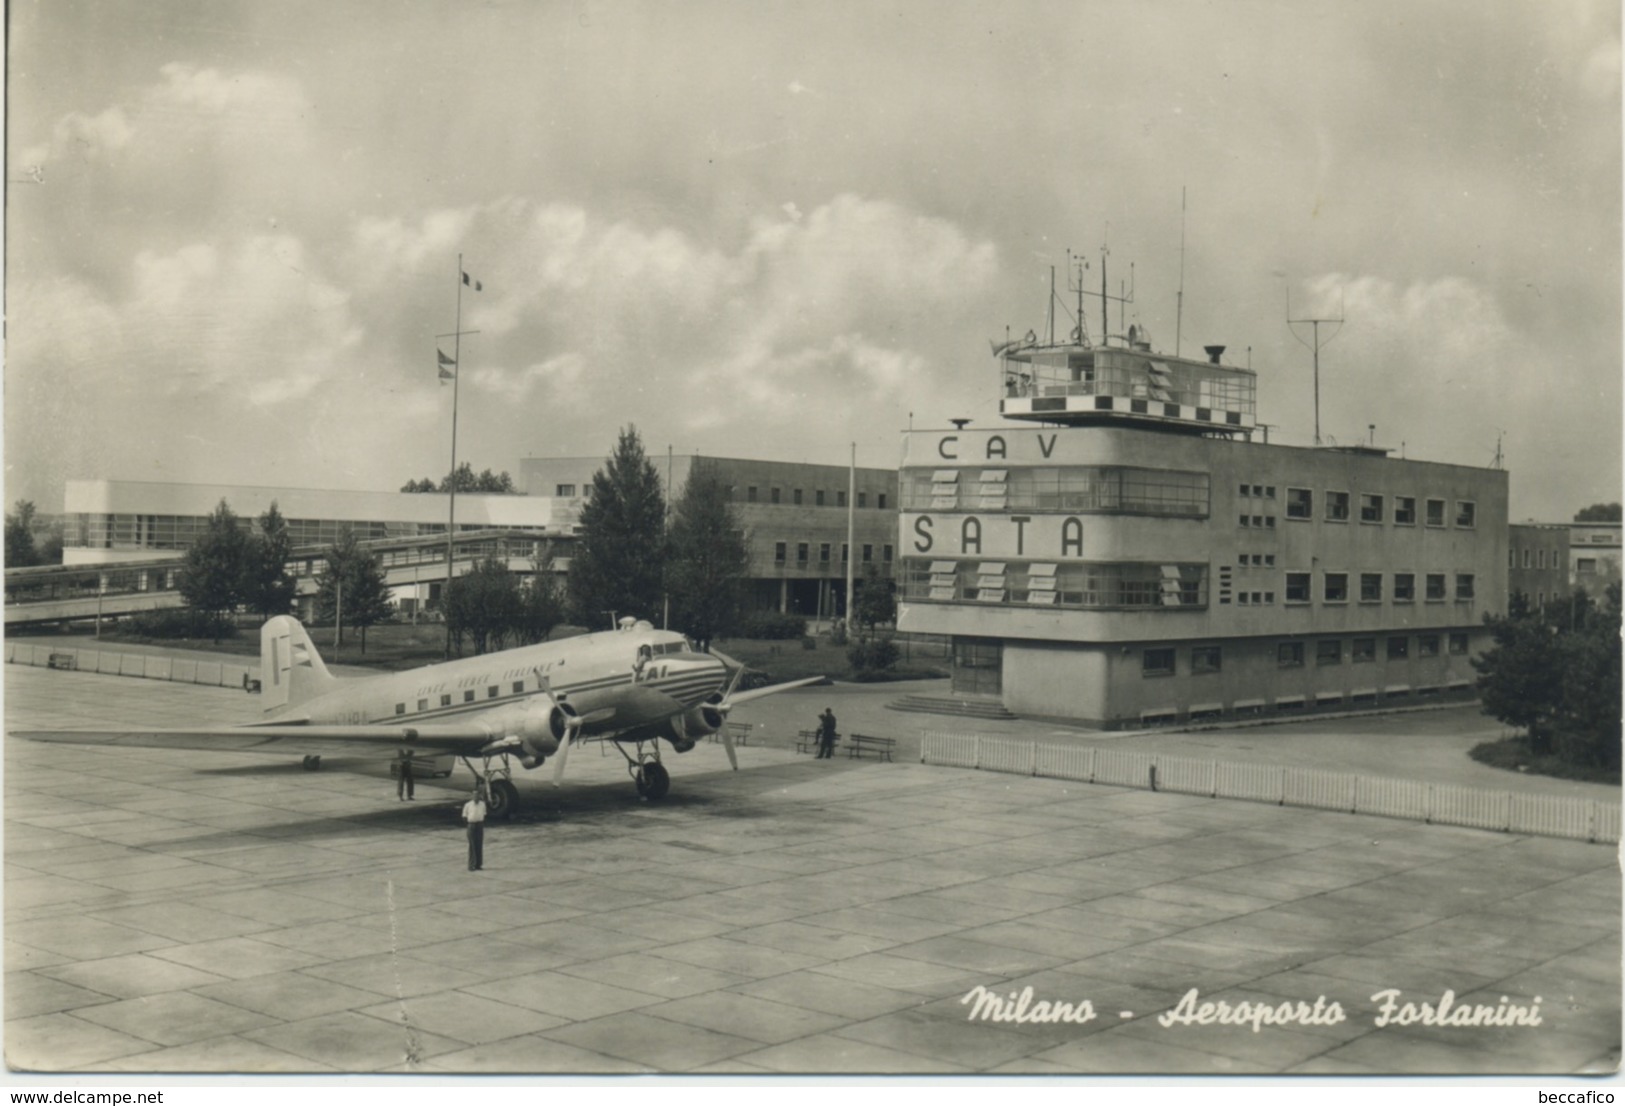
x,y
1538,562
794,516
1594,552
1124,554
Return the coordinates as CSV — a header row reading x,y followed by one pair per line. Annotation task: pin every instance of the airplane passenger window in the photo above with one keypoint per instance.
x,y
491,692
518,686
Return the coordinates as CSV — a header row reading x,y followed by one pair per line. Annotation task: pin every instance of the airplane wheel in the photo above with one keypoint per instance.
x,y
653,781
503,800
311,764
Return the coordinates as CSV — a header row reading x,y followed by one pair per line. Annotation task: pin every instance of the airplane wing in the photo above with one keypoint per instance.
x,y
772,689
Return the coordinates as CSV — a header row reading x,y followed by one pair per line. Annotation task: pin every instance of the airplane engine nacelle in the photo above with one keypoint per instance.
x,y
540,734
703,720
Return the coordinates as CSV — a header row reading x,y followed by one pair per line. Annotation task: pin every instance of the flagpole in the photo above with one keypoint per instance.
x,y
451,515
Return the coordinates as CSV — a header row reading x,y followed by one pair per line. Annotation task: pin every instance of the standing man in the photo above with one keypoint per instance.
x,y
474,815
404,781
826,735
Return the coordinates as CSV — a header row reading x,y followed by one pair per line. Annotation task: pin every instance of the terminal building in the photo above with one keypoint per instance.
x,y
794,516
1538,562
1120,552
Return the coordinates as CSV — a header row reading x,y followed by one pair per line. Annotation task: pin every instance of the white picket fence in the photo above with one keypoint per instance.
x,y
140,665
1443,804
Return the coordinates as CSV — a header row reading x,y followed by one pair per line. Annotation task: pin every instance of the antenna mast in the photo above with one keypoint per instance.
x,y
1179,301
1315,344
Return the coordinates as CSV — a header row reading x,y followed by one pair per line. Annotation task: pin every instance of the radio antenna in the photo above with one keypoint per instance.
x,y
1179,301
1315,344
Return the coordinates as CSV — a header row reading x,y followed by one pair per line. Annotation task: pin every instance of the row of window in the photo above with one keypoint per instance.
x,y
1512,558
1335,587
469,696
781,552
1375,509
136,531
1086,585
1208,659
798,497
1104,489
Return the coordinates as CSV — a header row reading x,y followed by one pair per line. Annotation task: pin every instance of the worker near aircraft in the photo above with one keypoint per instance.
x,y
404,783
474,815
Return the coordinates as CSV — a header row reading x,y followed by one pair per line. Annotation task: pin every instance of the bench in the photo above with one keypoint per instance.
x,y
62,660
806,741
858,743
738,731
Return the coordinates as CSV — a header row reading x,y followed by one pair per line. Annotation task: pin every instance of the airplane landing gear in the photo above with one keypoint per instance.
x,y
652,779
502,799
311,763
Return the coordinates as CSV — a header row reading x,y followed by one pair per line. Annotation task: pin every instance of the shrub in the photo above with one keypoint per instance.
x,y
871,658
183,622
772,626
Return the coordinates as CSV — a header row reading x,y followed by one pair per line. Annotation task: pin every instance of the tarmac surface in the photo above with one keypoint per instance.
x,y
173,911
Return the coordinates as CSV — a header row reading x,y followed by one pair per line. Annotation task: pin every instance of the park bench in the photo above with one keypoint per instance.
x,y
807,741
738,731
62,660
859,743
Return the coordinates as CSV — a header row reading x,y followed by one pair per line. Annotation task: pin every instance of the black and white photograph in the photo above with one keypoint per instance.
x,y
612,538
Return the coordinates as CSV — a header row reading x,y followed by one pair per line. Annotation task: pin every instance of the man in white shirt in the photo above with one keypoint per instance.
x,y
474,815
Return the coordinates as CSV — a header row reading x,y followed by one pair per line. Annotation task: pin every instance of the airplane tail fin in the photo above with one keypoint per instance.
x,y
291,671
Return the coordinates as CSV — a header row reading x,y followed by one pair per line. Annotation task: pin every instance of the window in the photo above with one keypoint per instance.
x,y
1370,508
880,501
1435,508
1337,506
818,499
781,552
1543,559
1464,585
1404,510
1269,560
518,686
1363,650
840,499
868,553
423,704
844,553
1371,587
1328,652
565,491
823,553
1244,520
1404,587
750,494
491,692
1526,558
1586,566
773,495
1269,491
468,696
1337,587
1458,645
400,708
1157,662
1435,586
795,497
1427,645
445,700
1466,513
1289,654
1297,587
863,500
1300,503
1204,658
801,552
885,553
1246,490
1399,648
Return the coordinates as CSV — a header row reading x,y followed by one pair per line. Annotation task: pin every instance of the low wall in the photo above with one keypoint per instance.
x,y
139,665
1442,804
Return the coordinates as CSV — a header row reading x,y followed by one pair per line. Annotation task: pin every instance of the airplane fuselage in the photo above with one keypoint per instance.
x,y
617,680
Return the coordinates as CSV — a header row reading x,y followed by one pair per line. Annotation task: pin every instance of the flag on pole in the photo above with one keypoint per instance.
x,y
447,366
474,284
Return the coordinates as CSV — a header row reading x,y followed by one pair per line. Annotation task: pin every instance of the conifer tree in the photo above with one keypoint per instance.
x,y
619,558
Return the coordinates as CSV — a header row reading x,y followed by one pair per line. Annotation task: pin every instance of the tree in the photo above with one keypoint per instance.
x,y
1520,677
486,483
1590,711
619,559
708,559
20,550
1599,512
484,604
876,603
267,585
541,602
350,588
212,573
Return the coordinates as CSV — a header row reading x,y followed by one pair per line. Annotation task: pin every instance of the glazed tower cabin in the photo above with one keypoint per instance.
x,y
1120,551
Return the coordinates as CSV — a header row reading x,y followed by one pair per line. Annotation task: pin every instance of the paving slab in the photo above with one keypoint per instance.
x,y
234,913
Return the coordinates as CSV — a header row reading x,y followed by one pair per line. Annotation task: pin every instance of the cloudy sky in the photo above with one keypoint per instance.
x,y
770,229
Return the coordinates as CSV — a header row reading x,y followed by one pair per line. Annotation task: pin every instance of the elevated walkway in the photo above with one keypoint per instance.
x,y
963,707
